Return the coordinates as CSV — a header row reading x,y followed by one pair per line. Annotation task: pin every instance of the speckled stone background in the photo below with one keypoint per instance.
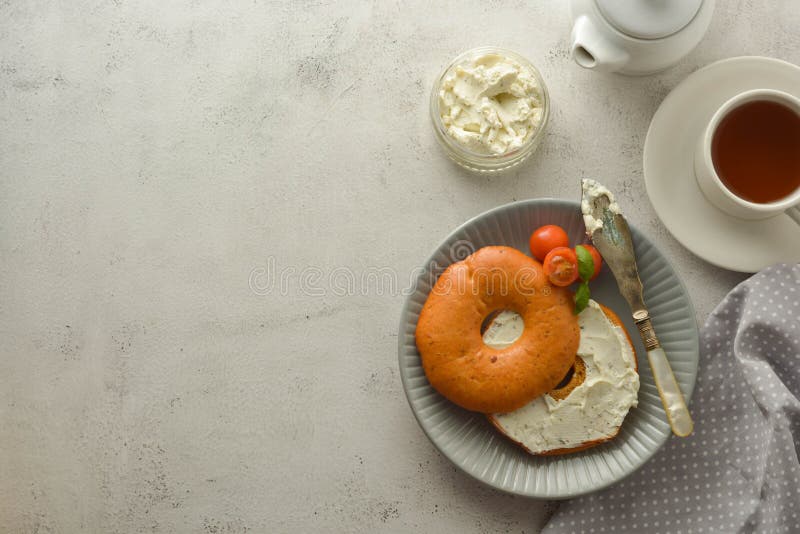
x,y
193,197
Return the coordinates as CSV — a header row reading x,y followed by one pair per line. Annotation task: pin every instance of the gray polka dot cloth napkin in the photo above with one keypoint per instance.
x,y
739,471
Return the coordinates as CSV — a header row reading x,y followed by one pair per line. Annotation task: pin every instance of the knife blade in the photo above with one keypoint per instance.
x,y
610,234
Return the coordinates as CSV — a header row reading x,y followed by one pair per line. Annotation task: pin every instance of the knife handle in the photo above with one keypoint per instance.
x,y
668,389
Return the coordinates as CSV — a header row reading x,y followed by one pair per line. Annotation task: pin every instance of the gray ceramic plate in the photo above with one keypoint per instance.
x,y
472,444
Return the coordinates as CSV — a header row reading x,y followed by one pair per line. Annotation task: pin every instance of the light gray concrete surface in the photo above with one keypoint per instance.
x,y
158,158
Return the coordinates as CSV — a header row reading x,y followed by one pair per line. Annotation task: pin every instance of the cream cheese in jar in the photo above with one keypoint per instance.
x,y
491,104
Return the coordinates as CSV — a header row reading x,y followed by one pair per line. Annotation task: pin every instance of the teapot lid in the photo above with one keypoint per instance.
x,y
649,19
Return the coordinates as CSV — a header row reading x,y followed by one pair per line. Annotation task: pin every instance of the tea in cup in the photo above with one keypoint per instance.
x,y
747,161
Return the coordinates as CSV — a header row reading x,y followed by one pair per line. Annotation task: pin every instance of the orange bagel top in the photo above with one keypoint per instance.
x,y
473,375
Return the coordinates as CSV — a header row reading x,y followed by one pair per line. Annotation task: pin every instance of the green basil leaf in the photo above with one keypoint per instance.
x,y
585,262
582,297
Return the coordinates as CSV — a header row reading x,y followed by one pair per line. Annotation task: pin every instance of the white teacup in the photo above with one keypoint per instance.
x,y
715,191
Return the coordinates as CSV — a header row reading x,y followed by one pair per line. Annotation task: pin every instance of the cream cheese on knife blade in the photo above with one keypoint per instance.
x,y
592,190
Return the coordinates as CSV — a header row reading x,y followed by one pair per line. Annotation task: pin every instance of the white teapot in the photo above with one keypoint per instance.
x,y
636,36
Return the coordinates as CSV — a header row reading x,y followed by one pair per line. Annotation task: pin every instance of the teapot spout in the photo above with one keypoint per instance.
x,y
591,50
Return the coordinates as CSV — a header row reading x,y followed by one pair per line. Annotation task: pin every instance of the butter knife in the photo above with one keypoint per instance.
x,y
611,235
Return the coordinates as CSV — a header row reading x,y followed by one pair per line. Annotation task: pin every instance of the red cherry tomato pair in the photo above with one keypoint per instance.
x,y
550,245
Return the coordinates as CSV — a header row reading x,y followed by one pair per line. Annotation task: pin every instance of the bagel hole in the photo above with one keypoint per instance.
x,y
501,329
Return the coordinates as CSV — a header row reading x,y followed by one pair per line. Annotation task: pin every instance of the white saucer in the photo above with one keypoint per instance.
x,y
715,236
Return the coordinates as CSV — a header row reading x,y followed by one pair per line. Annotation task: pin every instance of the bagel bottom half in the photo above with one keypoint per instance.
x,y
588,407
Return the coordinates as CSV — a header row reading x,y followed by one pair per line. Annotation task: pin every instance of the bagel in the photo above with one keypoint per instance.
x,y
454,357
589,406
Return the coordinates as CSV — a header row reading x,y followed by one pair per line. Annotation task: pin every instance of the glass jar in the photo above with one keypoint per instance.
x,y
476,161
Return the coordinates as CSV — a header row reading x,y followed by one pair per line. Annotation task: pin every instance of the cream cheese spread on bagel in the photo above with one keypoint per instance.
x,y
594,410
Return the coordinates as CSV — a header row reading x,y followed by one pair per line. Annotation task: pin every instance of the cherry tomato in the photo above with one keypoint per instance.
x,y
598,260
546,238
561,266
